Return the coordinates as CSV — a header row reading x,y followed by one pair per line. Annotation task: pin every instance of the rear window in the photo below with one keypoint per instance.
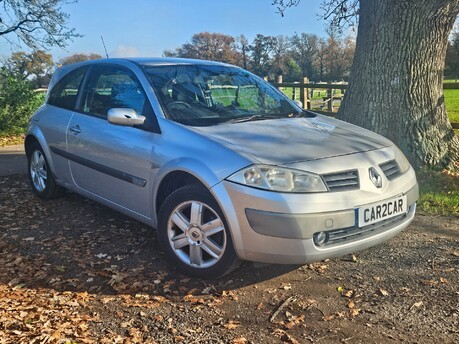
x,y
64,94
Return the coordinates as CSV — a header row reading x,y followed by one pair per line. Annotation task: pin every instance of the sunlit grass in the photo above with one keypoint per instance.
x,y
452,104
439,193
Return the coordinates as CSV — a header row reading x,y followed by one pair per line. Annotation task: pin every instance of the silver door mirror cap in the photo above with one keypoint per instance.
x,y
126,117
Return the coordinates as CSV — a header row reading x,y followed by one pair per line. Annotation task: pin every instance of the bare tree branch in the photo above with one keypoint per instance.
x,y
37,24
339,14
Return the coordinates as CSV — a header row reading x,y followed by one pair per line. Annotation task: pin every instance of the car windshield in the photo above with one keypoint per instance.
x,y
203,95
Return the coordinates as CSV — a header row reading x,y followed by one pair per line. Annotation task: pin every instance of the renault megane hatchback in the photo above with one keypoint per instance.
x,y
225,166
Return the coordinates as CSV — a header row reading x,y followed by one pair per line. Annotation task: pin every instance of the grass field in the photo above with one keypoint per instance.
x,y
452,104
451,100
439,193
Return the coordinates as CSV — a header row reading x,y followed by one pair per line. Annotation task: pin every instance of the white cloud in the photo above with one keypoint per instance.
x,y
125,51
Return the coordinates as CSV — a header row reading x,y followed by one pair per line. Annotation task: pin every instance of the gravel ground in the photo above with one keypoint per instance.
x,y
73,271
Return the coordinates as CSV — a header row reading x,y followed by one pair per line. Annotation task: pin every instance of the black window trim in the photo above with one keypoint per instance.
x,y
82,83
151,117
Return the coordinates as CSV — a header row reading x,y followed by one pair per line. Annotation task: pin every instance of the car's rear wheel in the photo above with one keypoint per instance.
x,y
41,178
194,235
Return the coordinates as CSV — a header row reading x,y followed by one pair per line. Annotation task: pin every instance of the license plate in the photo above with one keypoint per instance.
x,y
379,211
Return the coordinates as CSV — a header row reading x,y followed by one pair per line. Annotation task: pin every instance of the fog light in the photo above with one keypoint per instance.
x,y
321,238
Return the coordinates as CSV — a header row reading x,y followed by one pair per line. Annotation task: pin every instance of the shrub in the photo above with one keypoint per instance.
x,y
18,101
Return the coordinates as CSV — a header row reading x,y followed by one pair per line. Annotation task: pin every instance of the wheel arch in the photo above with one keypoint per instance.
x,y
178,173
34,135
171,182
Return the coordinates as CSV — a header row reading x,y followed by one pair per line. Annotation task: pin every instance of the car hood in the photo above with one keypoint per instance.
x,y
288,140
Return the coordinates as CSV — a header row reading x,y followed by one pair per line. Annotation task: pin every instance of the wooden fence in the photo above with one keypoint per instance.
x,y
304,92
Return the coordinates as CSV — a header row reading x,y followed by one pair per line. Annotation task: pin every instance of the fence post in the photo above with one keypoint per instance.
x,y
304,94
294,93
330,97
279,81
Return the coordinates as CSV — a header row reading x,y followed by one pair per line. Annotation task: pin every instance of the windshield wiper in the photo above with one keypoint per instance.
x,y
252,118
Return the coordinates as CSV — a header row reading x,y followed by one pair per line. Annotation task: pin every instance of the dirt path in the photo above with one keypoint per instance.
x,y
74,270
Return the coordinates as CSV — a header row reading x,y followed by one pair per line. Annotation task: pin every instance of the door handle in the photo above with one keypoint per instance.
x,y
75,129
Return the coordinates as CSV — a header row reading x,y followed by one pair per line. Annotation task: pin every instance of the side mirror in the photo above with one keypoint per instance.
x,y
297,102
126,117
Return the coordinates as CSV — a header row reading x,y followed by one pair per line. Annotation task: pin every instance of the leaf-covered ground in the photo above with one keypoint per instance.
x,y
73,271
8,140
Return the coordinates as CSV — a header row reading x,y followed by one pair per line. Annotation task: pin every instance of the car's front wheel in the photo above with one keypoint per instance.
x,y
42,180
194,235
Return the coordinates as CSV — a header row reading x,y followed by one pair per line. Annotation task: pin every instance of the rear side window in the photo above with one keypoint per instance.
x,y
112,87
64,93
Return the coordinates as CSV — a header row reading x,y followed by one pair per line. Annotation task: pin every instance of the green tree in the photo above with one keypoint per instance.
x,y
262,49
18,101
25,65
36,23
78,58
293,72
208,46
304,52
243,47
280,54
396,80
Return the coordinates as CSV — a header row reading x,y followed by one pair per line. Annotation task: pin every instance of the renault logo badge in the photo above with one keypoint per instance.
x,y
375,177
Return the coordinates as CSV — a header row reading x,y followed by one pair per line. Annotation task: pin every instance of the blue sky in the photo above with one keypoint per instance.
x,y
148,27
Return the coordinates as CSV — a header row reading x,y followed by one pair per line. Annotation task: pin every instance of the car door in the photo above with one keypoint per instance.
x,y
59,107
110,161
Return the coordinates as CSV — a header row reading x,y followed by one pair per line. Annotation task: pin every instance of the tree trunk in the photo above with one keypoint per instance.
x,y
396,82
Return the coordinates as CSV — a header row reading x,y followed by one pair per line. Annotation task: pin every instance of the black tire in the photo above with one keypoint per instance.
x,y
208,237
40,175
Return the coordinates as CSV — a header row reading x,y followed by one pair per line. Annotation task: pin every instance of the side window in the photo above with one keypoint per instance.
x,y
112,87
64,94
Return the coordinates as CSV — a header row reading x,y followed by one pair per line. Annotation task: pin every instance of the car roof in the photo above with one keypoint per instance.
x,y
157,61
147,61
141,61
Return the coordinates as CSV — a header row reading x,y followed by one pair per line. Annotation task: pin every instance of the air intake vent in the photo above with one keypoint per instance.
x,y
390,169
342,181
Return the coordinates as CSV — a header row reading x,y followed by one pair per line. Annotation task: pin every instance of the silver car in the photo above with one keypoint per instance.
x,y
225,166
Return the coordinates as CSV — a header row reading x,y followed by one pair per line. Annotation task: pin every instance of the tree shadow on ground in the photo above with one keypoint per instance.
x,y
75,244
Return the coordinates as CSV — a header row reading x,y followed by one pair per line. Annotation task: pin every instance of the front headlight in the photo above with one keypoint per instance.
x,y
401,160
278,179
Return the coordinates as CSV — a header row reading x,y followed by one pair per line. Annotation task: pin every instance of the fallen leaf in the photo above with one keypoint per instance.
x,y
328,317
240,340
351,304
429,282
417,304
348,293
295,320
383,292
286,286
354,312
232,324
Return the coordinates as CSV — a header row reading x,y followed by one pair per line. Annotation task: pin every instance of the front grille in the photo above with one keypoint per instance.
x,y
340,236
342,181
390,169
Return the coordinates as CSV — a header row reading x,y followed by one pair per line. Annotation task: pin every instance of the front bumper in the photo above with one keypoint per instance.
x,y
275,227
